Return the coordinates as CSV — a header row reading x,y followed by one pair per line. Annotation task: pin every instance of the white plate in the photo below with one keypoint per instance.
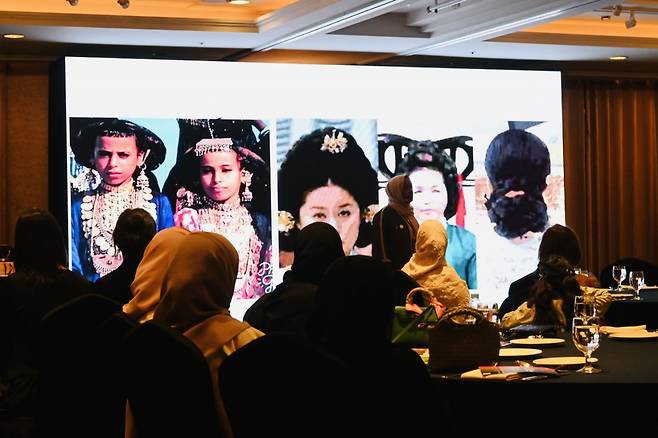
x,y
538,341
635,335
563,361
519,352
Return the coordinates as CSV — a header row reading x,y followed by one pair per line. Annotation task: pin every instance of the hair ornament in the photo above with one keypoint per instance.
x,y
369,213
333,144
213,145
286,221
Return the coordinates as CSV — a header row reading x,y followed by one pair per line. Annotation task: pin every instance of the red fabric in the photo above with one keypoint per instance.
x,y
461,205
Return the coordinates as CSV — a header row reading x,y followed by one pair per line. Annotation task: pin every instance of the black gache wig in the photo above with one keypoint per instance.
x,y
517,161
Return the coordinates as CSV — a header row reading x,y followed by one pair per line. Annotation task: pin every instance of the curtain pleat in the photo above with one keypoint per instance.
x,y
611,167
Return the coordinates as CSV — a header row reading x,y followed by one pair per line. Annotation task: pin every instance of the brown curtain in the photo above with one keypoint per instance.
x,y
23,141
611,168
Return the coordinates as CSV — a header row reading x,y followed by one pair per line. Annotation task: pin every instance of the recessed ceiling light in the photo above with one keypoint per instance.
x,y
238,2
605,17
13,36
618,58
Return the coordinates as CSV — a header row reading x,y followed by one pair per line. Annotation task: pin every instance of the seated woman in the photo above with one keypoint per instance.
x,y
151,271
557,240
288,307
552,297
134,230
355,302
395,226
196,294
428,266
40,284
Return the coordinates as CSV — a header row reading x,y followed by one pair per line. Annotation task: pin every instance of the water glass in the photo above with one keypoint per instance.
x,y
585,336
583,306
619,275
636,279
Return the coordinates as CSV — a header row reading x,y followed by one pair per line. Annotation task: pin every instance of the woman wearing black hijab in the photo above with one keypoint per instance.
x,y
41,283
355,303
288,307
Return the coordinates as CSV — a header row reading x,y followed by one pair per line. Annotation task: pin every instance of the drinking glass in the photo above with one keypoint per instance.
x,y
585,336
619,274
636,279
583,306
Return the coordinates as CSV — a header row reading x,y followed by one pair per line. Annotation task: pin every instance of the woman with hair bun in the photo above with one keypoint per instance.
x,y
517,164
326,177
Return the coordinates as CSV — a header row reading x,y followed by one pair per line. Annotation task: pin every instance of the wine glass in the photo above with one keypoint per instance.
x,y
619,274
636,279
585,336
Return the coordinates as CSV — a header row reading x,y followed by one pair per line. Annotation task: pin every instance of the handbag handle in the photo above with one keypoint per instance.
x,y
462,310
419,290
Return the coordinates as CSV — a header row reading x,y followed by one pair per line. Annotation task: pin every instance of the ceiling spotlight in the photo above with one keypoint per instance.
x,y
124,3
238,2
618,58
73,2
13,36
605,17
616,10
631,22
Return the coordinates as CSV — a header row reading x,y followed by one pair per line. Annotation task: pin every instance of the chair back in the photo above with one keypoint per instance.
x,y
168,384
77,396
282,385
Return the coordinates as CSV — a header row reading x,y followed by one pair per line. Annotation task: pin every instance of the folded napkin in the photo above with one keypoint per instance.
x,y
509,373
477,374
608,329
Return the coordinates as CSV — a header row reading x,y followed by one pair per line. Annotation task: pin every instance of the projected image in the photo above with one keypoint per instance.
x,y
326,175
111,171
215,178
221,184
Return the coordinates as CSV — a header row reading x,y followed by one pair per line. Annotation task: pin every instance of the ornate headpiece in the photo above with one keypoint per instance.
x,y
333,144
213,145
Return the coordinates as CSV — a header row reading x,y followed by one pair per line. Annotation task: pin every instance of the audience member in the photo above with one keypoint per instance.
x,y
41,283
355,302
557,240
395,226
151,272
551,298
428,266
288,307
196,294
134,230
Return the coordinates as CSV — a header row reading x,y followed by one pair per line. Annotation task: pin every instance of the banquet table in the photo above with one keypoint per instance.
x,y
627,384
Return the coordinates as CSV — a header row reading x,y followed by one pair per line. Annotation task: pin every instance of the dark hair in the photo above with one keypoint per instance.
x,y
251,153
556,280
562,241
517,160
39,242
85,131
134,230
427,154
307,166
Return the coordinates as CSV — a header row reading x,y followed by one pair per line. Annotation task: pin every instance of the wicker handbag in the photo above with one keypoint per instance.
x,y
463,339
411,322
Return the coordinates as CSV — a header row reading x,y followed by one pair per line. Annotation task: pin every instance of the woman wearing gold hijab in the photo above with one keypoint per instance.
x,y
151,272
429,268
196,294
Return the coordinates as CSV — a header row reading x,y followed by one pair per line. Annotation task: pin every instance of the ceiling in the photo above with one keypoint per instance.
x,y
334,31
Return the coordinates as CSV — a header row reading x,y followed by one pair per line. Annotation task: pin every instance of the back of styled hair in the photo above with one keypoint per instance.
x,y
427,154
556,280
133,231
39,242
562,241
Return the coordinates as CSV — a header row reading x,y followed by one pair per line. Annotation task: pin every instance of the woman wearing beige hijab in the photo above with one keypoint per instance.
x,y
395,225
429,268
151,272
196,294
